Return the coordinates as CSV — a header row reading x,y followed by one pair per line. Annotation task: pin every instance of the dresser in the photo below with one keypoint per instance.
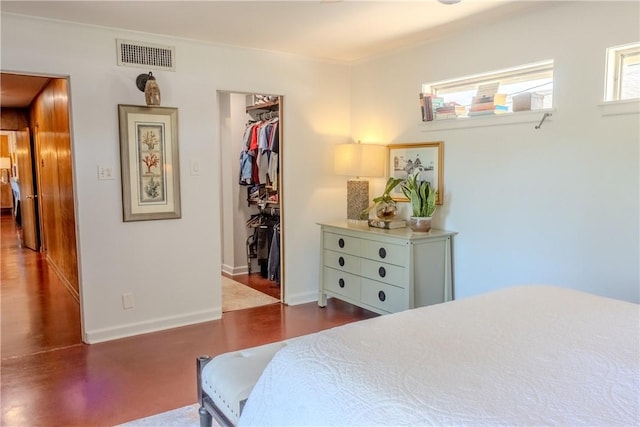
x,y
384,271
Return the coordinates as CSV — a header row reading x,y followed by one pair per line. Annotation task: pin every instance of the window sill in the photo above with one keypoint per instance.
x,y
533,116
616,108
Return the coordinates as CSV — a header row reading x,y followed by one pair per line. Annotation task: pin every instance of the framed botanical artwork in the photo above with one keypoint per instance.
x,y
149,162
423,158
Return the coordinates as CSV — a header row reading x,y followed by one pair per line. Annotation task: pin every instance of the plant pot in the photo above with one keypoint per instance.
x,y
420,224
386,211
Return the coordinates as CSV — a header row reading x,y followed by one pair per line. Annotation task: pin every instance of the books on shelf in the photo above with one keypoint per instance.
x,y
428,104
481,106
425,107
450,110
387,225
488,104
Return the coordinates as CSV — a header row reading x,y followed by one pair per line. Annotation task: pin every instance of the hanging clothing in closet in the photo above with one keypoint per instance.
x,y
273,266
259,171
259,157
264,244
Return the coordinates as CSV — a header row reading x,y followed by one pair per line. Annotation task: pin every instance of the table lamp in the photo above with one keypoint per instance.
x,y
359,160
5,165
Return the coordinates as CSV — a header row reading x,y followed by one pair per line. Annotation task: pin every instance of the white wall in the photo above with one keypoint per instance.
x,y
243,211
558,205
227,210
172,267
235,211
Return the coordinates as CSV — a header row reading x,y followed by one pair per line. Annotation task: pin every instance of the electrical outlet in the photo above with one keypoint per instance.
x,y
127,301
105,172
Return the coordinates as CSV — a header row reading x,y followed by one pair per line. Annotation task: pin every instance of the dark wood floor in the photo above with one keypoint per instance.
x,y
49,377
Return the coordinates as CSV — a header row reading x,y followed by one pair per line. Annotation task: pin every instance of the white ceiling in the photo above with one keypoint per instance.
x,y
343,31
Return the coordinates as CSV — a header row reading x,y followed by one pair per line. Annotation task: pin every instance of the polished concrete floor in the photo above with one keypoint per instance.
x,y
50,378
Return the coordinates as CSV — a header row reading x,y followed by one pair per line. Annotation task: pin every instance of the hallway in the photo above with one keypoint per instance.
x,y
38,312
50,378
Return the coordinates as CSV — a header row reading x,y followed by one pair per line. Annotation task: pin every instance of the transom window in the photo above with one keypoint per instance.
x,y
527,87
623,72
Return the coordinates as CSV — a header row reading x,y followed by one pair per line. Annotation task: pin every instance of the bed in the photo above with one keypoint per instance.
x,y
525,355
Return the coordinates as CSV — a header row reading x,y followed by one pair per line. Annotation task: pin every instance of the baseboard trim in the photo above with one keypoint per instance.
x,y
155,325
67,284
234,271
301,298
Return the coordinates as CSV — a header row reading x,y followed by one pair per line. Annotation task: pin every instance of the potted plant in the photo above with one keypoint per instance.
x,y
386,208
423,202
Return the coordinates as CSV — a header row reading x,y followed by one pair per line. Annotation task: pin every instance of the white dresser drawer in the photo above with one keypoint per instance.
x,y
383,272
342,283
341,243
340,261
385,297
385,252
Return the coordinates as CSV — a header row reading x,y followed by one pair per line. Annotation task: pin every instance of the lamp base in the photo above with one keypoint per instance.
x,y
357,198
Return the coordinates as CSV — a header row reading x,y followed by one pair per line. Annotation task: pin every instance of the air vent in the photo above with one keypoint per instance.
x,y
145,55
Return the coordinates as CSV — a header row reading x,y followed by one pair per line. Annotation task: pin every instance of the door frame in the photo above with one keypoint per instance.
x,y
36,174
30,241
281,187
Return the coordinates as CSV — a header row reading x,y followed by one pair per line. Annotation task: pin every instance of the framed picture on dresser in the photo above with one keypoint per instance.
x,y
425,158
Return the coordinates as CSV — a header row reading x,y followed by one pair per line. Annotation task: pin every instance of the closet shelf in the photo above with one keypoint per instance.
x,y
262,202
273,105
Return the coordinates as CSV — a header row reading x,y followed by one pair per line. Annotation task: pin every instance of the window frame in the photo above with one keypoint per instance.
x,y
615,57
472,82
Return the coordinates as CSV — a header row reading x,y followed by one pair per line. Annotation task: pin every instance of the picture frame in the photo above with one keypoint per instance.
x,y
149,162
429,157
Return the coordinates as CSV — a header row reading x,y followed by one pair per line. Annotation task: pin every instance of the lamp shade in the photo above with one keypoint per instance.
x,y
359,160
5,163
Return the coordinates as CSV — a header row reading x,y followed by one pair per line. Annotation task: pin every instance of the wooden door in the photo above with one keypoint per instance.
x,y
27,196
6,195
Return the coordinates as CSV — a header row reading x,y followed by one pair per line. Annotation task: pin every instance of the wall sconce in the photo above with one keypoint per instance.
x,y
359,160
5,165
147,84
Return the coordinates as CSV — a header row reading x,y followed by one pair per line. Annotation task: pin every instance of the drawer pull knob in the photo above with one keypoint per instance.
x,y
382,252
341,243
341,261
341,283
382,296
382,272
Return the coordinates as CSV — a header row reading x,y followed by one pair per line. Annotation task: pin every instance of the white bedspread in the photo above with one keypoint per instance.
x,y
531,355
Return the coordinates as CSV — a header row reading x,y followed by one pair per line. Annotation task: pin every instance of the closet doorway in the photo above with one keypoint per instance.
x,y
252,197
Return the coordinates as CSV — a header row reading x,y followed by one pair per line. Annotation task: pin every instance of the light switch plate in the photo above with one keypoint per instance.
x,y
195,167
105,172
